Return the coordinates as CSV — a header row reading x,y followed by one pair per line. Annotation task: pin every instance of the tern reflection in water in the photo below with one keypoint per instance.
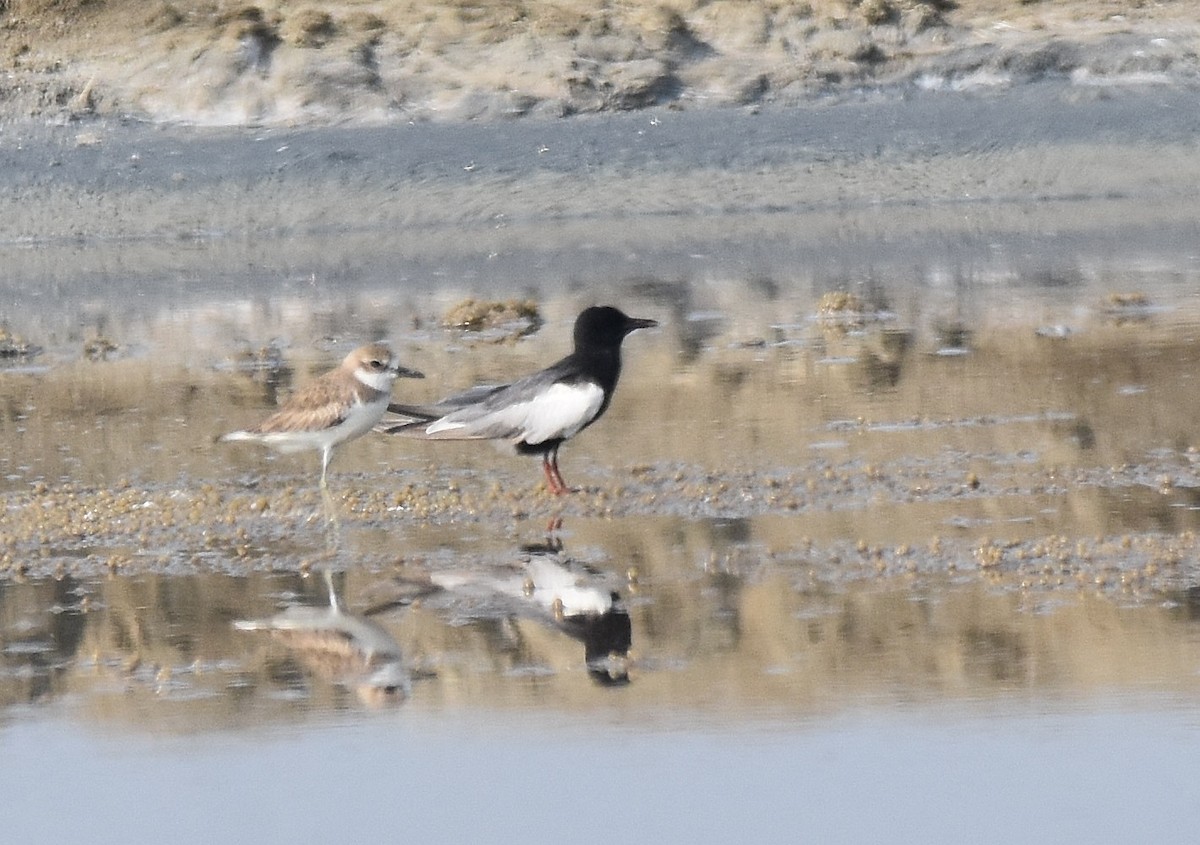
x,y
345,648
548,586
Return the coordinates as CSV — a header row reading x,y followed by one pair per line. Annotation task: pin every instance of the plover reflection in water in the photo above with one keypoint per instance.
x,y
344,648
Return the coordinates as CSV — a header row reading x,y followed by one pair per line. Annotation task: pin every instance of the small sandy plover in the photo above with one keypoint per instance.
x,y
538,413
339,406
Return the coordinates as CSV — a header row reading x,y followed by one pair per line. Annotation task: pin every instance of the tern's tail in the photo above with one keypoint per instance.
x,y
406,420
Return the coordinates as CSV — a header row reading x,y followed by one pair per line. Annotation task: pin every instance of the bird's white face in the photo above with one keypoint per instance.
x,y
375,366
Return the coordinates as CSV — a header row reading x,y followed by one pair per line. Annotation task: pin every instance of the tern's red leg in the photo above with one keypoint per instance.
x,y
553,477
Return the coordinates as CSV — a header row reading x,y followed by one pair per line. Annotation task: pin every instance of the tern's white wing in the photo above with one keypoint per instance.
x,y
556,411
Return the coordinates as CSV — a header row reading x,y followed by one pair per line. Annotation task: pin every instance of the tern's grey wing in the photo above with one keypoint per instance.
x,y
542,407
412,420
476,395
536,408
406,419
490,400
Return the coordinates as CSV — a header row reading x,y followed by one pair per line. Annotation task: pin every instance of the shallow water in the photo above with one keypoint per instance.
x,y
900,513
1111,772
900,709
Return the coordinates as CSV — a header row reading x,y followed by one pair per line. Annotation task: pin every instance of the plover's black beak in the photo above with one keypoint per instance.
x,y
405,372
639,323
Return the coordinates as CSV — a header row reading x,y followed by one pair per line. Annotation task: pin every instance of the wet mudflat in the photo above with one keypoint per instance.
x,y
889,532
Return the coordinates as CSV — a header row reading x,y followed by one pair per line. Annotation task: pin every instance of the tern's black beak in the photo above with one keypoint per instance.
x,y
632,323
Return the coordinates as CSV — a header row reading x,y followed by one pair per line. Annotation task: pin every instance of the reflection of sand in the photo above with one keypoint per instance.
x,y
157,654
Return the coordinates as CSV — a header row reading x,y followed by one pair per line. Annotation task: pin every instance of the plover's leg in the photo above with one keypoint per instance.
x,y
325,467
326,497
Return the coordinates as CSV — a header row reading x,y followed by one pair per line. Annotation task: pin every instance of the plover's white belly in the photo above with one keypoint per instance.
x,y
362,418
358,421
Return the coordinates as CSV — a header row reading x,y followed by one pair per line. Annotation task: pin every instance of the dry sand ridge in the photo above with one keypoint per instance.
x,y
292,62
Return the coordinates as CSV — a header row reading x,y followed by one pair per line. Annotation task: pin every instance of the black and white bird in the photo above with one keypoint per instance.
x,y
540,412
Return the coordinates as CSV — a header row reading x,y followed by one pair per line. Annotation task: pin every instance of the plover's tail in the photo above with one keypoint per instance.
x,y
237,435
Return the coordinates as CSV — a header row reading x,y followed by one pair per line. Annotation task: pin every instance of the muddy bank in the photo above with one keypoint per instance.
x,y
288,62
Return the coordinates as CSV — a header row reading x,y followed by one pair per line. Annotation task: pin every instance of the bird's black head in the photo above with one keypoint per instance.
x,y
604,327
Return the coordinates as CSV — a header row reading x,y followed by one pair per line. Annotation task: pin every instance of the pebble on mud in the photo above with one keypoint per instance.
x,y
13,345
474,315
841,310
308,28
99,348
